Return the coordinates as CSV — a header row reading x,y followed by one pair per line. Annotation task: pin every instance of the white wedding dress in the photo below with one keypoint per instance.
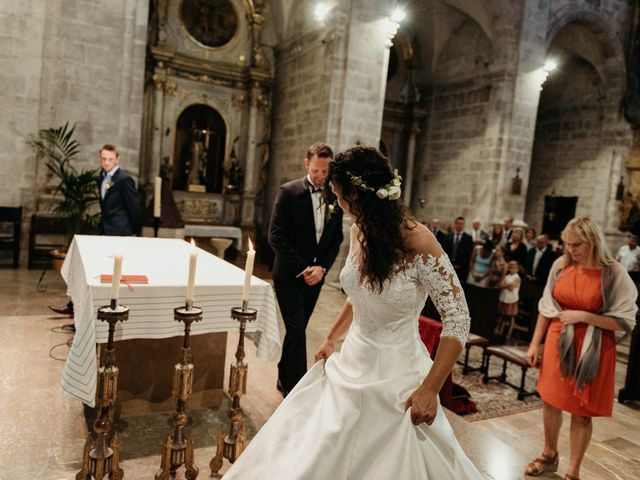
x,y
346,420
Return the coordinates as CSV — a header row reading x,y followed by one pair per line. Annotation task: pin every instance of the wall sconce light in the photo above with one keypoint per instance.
x,y
321,11
422,202
392,25
620,189
516,183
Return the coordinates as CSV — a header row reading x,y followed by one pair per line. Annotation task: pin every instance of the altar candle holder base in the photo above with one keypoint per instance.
x,y
178,449
101,458
231,445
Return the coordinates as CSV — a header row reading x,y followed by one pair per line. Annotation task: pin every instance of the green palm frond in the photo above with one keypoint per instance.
x,y
77,189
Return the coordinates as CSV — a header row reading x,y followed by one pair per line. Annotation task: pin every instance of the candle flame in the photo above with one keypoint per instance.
x,y
251,249
193,244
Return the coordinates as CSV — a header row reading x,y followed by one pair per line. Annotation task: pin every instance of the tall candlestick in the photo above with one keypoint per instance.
x,y
157,195
248,270
115,278
192,273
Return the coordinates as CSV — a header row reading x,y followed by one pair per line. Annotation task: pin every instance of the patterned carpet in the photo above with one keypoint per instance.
x,y
496,399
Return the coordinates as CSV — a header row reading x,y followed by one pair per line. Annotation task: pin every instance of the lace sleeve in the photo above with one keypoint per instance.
x,y
444,288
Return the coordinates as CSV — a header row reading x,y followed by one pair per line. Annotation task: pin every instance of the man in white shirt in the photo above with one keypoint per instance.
x,y
478,235
629,257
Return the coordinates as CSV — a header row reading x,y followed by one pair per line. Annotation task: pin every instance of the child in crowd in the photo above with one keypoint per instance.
x,y
509,296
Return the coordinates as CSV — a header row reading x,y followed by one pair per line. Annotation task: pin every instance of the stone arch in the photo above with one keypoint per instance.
x,y
572,148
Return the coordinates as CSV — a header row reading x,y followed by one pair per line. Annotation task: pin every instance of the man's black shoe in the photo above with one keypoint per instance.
x,y
66,310
281,389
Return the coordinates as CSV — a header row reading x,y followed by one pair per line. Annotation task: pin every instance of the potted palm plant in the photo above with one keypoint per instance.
x,y
75,188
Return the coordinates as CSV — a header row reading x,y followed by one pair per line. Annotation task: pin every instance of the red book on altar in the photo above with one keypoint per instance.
x,y
130,279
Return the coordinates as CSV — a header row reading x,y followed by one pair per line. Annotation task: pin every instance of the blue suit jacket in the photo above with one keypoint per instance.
x,y
120,206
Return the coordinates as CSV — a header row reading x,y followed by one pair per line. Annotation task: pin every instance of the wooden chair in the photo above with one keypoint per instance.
x,y
11,240
46,234
474,340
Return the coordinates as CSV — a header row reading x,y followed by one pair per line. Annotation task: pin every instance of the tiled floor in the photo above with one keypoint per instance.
x,y
42,431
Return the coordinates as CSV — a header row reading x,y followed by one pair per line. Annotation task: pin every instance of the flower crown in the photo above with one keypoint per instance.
x,y
390,191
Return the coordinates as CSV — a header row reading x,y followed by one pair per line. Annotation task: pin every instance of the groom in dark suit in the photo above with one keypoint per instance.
x,y
305,233
119,199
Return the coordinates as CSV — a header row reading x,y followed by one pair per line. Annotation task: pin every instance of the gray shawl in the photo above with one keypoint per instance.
x,y
618,301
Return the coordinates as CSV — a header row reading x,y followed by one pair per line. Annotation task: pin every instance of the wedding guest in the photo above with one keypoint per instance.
x,y
480,265
458,246
539,261
629,257
530,238
436,230
478,235
516,250
588,297
498,268
508,230
497,235
509,295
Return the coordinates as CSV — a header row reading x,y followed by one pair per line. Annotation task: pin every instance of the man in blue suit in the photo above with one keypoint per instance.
x,y
119,199
119,203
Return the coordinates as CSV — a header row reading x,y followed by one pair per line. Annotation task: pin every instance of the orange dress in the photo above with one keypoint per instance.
x,y
578,289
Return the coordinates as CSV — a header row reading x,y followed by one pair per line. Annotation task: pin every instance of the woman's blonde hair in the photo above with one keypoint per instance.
x,y
586,230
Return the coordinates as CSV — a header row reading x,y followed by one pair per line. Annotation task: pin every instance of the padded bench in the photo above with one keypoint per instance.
x,y
474,340
512,354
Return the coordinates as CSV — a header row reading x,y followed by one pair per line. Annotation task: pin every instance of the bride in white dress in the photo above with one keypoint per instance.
x,y
371,411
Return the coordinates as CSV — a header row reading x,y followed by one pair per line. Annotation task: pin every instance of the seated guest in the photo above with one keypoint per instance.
x,y
629,257
530,238
480,265
516,249
497,235
458,247
539,261
478,235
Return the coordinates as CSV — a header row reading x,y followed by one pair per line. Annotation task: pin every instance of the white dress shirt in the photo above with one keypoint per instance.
x,y
319,208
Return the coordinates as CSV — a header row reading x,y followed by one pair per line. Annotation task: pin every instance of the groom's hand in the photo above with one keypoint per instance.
x,y
313,275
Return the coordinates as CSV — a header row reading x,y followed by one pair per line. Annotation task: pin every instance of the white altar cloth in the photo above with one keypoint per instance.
x,y
165,261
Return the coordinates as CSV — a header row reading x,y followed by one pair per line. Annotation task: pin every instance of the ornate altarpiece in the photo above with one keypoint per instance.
x,y
207,106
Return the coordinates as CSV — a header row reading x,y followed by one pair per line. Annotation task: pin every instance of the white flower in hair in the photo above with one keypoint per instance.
x,y
394,192
390,191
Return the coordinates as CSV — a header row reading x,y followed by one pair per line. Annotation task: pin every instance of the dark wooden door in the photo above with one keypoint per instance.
x,y
557,213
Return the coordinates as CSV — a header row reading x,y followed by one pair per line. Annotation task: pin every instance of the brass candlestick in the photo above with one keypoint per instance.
x,y
104,458
178,449
232,445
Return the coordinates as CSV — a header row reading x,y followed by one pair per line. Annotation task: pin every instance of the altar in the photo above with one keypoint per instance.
x,y
164,261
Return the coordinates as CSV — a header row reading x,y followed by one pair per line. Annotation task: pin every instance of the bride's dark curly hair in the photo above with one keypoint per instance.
x,y
380,220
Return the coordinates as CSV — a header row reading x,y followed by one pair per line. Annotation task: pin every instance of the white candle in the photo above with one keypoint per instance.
x,y
115,278
157,195
248,270
192,272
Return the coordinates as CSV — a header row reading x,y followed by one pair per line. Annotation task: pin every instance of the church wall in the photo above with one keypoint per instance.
x,y
20,78
453,156
566,159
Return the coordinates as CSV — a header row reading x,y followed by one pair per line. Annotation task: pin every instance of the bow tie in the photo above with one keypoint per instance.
x,y
314,189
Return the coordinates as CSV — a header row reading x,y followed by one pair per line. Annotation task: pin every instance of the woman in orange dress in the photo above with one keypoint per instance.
x,y
587,298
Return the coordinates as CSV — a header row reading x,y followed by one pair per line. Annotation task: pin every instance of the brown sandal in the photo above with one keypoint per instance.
x,y
568,476
543,464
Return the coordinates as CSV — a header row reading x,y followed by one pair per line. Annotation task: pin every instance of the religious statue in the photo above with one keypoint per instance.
x,y
233,172
197,165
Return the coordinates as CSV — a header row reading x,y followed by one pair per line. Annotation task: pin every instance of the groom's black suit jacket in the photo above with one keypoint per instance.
x,y
120,206
292,232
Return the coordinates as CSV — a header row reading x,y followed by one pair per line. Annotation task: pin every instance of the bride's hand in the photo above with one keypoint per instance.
x,y
423,404
325,349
